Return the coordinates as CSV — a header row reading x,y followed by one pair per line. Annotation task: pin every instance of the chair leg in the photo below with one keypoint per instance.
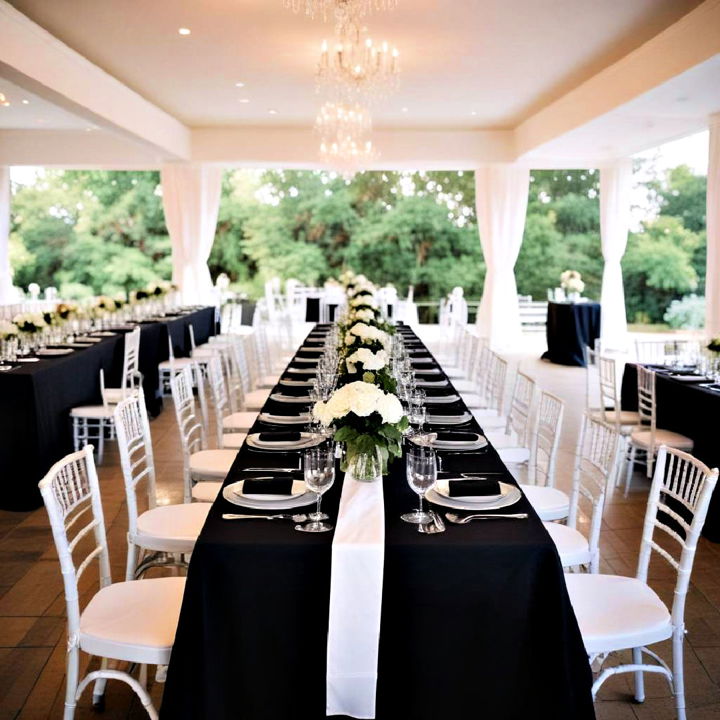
x,y
99,689
101,441
678,673
76,434
630,469
650,462
639,676
132,558
71,682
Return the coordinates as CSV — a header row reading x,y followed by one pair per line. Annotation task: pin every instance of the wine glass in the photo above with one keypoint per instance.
x,y
319,471
421,471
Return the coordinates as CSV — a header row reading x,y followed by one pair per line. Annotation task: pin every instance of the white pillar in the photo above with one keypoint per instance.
x,y
191,199
712,277
6,286
501,197
615,190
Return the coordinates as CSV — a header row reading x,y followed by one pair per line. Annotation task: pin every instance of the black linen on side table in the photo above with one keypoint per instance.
x,y
476,622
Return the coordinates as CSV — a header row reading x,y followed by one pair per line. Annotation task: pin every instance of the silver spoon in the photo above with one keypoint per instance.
x,y
295,518
464,519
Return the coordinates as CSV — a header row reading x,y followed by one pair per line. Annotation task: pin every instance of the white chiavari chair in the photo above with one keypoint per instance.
x,y
131,622
163,534
131,375
231,427
516,433
249,399
167,369
617,613
596,463
647,437
489,404
200,465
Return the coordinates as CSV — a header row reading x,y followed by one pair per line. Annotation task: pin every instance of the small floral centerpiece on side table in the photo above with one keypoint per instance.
x,y
572,283
370,422
714,345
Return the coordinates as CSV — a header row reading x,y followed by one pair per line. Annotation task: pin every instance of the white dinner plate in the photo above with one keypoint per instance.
x,y
428,371
296,383
458,445
300,496
103,333
27,360
302,419
91,340
509,496
302,370
431,383
436,419
279,397
441,399
307,440
53,352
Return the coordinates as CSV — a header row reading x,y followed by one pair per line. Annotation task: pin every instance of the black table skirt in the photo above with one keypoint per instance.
x,y
571,327
476,622
36,399
692,411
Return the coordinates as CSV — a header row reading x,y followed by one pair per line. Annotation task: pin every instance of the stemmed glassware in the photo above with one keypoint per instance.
x,y
421,468
319,471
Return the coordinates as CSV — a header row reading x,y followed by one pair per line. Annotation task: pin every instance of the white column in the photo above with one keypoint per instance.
x,y
6,286
501,197
615,189
712,277
191,199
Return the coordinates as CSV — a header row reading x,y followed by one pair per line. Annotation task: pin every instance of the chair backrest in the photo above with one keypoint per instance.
x,y
219,395
546,439
650,351
497,378
646,400
71,495
520,407
607,382
191,333
592,360
677,507
199,383
192,430
597,459
136,454
131,362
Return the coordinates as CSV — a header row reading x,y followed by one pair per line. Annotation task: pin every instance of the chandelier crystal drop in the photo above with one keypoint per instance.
x,y
345,143
342,11
356,68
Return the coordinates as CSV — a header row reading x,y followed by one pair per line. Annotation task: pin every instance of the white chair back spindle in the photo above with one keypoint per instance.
x,y
219,396
520,408
546,439
131,362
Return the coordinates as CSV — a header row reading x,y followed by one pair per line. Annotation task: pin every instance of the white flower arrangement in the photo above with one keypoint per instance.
x,y
8,330
364,300
347,277
30,322
571,281
363,315
367,358
366,334
361,398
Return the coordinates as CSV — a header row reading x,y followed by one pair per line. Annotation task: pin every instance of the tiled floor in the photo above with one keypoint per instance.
x,y
32,641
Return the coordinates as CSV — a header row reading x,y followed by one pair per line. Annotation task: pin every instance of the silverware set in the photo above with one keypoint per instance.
x,y
300,518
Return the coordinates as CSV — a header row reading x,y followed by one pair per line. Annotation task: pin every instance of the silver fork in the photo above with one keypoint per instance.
x,y
464,519
295,518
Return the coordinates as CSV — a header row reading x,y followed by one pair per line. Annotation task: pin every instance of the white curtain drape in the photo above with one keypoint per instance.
x,y
6,286
191,199
501,197
615,189
712,277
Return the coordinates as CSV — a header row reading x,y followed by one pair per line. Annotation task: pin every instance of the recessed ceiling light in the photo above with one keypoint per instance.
x,y
244,100
404,109
473,112
239,84
272,112
25,102
183,31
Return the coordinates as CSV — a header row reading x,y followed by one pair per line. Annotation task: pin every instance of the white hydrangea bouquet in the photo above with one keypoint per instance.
x,y
368,420
30,322
8,330
571,282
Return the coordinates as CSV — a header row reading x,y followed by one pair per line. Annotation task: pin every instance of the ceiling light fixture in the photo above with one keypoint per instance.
x,y
239,84
358,69
345,143
346,13
25,102
183,31
244,100
273,112
4,102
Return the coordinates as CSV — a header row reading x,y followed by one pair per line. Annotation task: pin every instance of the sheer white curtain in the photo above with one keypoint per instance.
x,y
501,197
191,199
615,188
6,287
712,278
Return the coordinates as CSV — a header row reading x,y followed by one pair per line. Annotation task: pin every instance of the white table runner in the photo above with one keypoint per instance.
x,y
358,556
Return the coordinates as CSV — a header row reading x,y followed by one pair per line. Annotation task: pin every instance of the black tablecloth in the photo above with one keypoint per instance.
x,y
476,622
36,399
692,411
571,327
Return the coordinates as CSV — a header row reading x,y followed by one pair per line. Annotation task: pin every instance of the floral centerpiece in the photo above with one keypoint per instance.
x,y
361,333
8,330
369,421
30,323
572,283
66,310
714,345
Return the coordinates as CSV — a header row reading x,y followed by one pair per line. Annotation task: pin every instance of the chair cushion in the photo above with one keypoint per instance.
x,y
177,364
616,612
572,545
548,502
468,386
212,463
255,399
116,395
173,528
233,441
473,400
92,412
133,621
239,421
624,417
206,492
662,437
204,353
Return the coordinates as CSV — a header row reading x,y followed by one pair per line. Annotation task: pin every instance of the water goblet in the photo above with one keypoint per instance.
x,y
319,471
421,469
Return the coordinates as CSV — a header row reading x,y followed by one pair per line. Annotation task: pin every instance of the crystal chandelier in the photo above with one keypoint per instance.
x,y
357,68
345,143
343,11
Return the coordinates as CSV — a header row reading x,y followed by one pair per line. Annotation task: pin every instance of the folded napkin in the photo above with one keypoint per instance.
x,y
470,487
274,486
280,437
457,436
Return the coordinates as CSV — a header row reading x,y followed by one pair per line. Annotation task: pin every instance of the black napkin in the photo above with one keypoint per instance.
x,y
289,436
470,487
274,486
457,436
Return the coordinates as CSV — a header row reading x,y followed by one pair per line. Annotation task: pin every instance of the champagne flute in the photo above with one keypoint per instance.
x,y
421,469
319,471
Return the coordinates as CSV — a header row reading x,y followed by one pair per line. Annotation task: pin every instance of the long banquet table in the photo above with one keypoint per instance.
x,y
36,399
476,622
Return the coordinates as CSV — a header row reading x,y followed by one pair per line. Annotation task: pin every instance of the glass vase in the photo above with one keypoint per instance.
x,y
366,467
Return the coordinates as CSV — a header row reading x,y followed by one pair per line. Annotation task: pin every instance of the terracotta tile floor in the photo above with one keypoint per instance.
x,y
32,610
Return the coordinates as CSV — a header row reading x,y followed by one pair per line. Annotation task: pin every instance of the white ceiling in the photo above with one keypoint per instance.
x,y
502,59
35,112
